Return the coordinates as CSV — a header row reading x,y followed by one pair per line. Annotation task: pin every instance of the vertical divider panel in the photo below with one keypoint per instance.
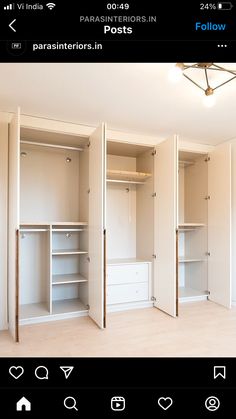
x,y
13,223
50,270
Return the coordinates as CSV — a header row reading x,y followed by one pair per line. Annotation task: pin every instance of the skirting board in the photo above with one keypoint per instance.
x,y
53,317
111,308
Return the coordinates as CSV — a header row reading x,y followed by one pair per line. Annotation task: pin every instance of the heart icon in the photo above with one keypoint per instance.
x,y
16,372
165,402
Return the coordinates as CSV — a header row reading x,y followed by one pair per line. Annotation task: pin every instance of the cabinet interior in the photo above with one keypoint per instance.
x,y
193,225
130,217
53,223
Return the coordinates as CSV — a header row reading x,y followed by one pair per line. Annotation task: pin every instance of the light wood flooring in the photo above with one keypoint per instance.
x,y
202,329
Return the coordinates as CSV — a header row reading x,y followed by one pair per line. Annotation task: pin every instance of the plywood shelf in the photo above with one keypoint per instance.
x,y
68,279
67,230
189,294
53,223
124,176
190,226
58,252
127,261
68,306
28,311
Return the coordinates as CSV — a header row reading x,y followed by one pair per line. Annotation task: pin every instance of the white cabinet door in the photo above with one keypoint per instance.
x,y
219,225
165,226
97,186
13,225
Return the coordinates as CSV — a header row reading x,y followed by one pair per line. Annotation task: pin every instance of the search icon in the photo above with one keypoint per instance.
x,y
70,403
41,373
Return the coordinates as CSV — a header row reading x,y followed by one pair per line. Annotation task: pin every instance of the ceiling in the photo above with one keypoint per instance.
x,y
136,98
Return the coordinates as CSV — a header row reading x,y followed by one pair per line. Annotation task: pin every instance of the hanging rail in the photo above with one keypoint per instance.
x,y
63,147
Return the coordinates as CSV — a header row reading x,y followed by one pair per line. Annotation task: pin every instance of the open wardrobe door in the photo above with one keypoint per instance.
x,y
97,191
165,284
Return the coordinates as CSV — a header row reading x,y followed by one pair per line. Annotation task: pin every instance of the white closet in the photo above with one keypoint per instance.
x,y
204,218
96,224
129,225
56,232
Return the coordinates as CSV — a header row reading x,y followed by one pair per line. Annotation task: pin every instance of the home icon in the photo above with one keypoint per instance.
x,y
23,405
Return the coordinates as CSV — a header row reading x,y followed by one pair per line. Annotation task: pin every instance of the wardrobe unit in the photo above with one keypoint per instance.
x,y
96,224
129,226
204,225
56,225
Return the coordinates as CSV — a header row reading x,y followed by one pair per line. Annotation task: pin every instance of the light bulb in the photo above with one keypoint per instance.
x,y
209,101
175,74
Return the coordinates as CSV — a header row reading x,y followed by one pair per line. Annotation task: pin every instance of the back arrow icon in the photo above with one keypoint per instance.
x,y
10,25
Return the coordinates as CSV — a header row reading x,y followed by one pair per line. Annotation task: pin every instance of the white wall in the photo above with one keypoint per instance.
x,y
3,222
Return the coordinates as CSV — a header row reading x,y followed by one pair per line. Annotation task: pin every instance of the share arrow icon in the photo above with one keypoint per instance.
x,y
67,371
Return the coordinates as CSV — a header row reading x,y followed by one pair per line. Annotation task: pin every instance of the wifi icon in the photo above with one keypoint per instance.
x,y
50,5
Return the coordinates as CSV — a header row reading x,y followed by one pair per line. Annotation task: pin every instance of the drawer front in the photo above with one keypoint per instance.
x,y
127,274
127,293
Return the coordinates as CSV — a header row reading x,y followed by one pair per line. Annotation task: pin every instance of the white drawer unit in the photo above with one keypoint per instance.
x,y
128,282
127,274
126,293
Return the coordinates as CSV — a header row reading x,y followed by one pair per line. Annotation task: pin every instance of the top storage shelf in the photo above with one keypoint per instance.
x,y
57,224
124,176
190,226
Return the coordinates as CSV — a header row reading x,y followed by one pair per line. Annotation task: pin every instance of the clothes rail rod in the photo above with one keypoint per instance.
x,y
186,162
125,181
63,147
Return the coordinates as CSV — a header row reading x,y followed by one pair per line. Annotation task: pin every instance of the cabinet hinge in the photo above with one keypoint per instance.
x,y
154,256
89,144
153,298
88,259
207,159
207,197
154,152
154,195
88,191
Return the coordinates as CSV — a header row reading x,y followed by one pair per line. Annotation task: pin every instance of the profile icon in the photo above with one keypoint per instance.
x,y
212,403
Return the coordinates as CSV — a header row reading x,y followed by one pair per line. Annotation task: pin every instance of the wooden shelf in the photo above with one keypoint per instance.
x,y
67,230
68,279
58,252
33,230
67,306
189,226
189,260
54,223
188,294
124,176
126,261
33,310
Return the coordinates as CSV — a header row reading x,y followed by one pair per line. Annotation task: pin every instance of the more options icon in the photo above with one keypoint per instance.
x,y
117,403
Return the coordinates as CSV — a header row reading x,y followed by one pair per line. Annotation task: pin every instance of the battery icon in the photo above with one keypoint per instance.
x,y
226,5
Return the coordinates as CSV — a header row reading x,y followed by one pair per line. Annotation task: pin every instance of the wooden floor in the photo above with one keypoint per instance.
x,y
202,329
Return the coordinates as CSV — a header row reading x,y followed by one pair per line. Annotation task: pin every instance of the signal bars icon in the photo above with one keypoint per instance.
x,y
9,7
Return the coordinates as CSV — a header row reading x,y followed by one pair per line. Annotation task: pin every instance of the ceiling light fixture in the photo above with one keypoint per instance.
x,y
185,69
